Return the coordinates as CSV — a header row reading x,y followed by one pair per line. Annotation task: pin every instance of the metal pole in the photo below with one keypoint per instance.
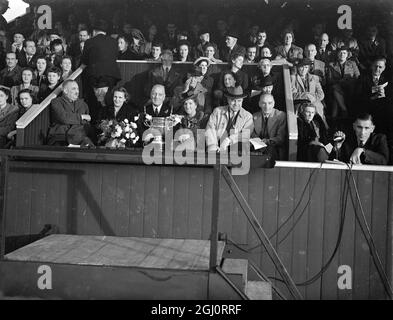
x,y
214,221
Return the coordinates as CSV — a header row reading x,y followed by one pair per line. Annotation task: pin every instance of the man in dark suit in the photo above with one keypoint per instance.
x,y
371,47
77,47
28,56
232,47
164,75
69,118
317,67
11,75
270,125
102,73
362,146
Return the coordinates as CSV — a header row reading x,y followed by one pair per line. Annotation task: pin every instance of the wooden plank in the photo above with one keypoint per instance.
x,y
137,200
108,196
225,218
195,208
94,199
150,222
299,232
180,203
123,190
361,281
239,225
166,201
27,214
378,225
315,234
207,202
333,198
81,196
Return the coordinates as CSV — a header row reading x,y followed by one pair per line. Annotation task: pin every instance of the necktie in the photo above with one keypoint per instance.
x,y
156,112
165,74
361,144
265,134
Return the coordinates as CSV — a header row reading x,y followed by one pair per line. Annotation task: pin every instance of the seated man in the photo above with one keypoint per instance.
x,y
232,47
371,47
11,75
270,125
165,75
69,118
306,86
342,76
261,44
324,49
251,53
155,54
312,135
28,56
229,125
317,67
204,39
362,146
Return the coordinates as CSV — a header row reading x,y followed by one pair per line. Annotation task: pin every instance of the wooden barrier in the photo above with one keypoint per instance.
x,y
100,195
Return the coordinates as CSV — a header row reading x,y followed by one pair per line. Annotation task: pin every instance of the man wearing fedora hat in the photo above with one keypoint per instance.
x,y
264,86
229,125
342,77
232,47
307,86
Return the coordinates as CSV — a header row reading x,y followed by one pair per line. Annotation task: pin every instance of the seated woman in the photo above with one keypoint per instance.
x,y
183,51
53,75
27,79
228,80
121,108
288,50
137,45
66,67
312,135
200,83
124,51
186,135
8,115
210,51
40,71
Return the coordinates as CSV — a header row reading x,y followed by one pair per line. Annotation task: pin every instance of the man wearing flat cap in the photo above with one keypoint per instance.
x,y
342,77
229,125
307,86
232,47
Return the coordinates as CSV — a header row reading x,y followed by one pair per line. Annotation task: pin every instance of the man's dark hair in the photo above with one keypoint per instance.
x,y
26,41
101,25
32,95
54,43
29,69
157,44
54,70
364,116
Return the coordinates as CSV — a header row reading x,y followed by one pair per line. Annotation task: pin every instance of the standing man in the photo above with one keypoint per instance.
x,y
102,73
11,75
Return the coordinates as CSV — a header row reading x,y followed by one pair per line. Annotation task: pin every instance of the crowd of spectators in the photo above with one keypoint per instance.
x,y
336,79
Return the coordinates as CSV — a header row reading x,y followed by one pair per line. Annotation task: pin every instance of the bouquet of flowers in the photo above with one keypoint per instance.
x,y
117,134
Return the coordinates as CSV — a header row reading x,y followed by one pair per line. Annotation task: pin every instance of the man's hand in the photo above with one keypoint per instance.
x,y
355,157
338,138
86,117
316,143
225,144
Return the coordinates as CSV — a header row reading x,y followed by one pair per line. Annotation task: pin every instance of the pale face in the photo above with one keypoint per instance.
x,y
157,95
288,39
209,52
261,38
118,98
238,62
324,40
66,65
11,60
266,52
342,55
311,52
229,81
378,67
230,41
58,49
308,113
41,65
266,103
251,53
363,129
155,52
26,100
27,76
265,66
53,78
190,107
71,91
30,48
303,70
122,44
3,98
183,51
19,38
372,32
83,36
235,104
203,66
153,30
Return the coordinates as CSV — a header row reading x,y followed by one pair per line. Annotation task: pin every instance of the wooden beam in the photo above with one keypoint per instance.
x,y
214,221
3,199
261,234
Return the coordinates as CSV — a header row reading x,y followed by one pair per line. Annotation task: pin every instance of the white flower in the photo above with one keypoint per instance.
x,y
136,118
127,129
133,125
133,135
127,136
125,120
123,140
149,117
135,140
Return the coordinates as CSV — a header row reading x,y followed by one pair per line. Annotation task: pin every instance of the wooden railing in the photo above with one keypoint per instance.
x,y
32,127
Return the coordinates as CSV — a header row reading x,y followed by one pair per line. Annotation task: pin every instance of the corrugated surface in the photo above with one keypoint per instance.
x,y
175,202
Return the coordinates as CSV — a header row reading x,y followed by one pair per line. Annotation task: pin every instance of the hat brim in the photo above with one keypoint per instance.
x,y
200,59
232,96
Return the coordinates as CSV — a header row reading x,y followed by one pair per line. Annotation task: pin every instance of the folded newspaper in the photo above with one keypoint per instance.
x,y
258,143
